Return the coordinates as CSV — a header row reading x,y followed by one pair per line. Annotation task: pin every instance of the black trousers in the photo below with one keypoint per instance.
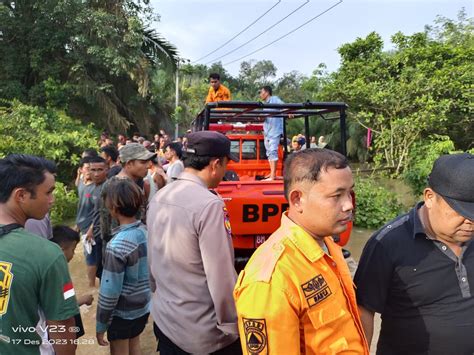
x,y
167,347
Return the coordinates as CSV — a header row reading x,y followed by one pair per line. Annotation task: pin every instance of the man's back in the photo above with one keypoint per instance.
x,y
33,277
187,244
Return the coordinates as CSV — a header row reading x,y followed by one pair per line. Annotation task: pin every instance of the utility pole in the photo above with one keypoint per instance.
x,y
176,129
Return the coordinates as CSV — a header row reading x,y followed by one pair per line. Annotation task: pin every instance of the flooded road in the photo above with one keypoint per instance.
x,y
89,345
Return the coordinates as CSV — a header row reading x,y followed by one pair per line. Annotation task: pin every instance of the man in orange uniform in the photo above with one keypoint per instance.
x,y
217,91
296,296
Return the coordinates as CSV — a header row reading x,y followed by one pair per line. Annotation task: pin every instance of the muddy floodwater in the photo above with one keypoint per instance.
x,y
89,345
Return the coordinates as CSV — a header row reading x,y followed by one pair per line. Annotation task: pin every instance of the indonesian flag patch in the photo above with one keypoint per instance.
x,y
68,290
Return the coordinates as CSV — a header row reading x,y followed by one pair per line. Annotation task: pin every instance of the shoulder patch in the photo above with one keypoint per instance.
x,y
256,335
389,227
227,222
316,290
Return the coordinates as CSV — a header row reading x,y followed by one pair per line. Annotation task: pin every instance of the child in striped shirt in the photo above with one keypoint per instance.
x,y
124,295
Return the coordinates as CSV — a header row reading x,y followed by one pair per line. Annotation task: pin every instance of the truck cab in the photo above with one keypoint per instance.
x,y
254,204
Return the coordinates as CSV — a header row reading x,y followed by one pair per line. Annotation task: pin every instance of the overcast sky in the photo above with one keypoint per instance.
x,y
197,27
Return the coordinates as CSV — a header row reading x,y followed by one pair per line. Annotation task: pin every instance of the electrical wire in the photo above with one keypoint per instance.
x,y
238,34
286,34
260,34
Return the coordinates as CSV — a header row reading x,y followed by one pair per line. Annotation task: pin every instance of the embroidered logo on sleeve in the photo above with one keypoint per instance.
x,y
6,278
316,290
68,290
227,222
256,335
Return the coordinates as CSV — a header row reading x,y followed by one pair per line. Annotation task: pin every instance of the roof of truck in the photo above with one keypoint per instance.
x,y
246,112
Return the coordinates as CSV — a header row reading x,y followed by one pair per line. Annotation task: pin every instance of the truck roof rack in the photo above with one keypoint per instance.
x,y
256,112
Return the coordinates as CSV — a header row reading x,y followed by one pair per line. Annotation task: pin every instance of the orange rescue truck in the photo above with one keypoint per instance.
x,y
255,205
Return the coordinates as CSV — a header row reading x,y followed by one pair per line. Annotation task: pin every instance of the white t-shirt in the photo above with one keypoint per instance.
x,y
174,170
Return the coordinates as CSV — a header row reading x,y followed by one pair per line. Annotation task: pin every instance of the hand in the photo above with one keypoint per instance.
x,y
101,340
89,235
85,299
159,177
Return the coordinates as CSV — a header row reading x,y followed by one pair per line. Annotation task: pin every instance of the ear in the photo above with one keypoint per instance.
x,y
215,164
296,199
20,194
429,197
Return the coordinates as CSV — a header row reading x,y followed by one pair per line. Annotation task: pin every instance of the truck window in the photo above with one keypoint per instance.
x,y
249,149
235,147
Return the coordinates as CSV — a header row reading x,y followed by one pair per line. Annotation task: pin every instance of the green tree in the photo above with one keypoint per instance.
x,y
289,87
93,59
405,94
252,76
45,132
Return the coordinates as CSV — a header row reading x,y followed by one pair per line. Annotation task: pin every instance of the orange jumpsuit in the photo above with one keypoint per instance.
x,y
293,298
222,94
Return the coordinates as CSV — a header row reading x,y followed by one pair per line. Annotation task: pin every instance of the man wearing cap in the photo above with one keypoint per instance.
x,y
135,160
418,270
191,256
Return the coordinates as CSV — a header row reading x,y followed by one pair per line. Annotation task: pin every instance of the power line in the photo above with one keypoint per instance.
x,y
261,33
238,34
286,34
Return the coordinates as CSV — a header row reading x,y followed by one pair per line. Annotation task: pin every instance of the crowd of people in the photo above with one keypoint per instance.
x,y
159,240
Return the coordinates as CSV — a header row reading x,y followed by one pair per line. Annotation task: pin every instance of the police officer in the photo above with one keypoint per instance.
x,y
191,257
295,295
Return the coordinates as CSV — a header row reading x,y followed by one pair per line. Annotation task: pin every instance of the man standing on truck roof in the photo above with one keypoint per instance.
x,y
272,130
191,257
217,91
296,293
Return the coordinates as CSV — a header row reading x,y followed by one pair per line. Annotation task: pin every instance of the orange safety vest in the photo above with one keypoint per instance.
x,y
222,94
293,298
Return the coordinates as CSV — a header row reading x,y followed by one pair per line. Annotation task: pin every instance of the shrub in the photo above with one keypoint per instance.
x,y
45,132
65,204
375,205
421,158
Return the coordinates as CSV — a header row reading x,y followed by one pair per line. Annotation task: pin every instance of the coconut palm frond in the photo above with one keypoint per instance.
x,y
159,50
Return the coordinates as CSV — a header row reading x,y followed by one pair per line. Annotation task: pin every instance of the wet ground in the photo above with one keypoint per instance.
x,y
89,345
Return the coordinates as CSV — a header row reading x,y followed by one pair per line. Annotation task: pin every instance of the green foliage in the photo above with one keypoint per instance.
x,y
422,87
421,159
65,204
375,205
91,58
44,132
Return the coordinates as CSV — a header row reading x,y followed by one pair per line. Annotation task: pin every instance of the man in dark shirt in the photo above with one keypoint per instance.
x,y
418,270
110,154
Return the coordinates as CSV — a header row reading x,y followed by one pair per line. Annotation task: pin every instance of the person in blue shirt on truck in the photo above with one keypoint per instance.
x,y
272,130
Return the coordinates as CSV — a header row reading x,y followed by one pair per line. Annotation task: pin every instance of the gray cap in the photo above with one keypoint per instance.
x,y
135,151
